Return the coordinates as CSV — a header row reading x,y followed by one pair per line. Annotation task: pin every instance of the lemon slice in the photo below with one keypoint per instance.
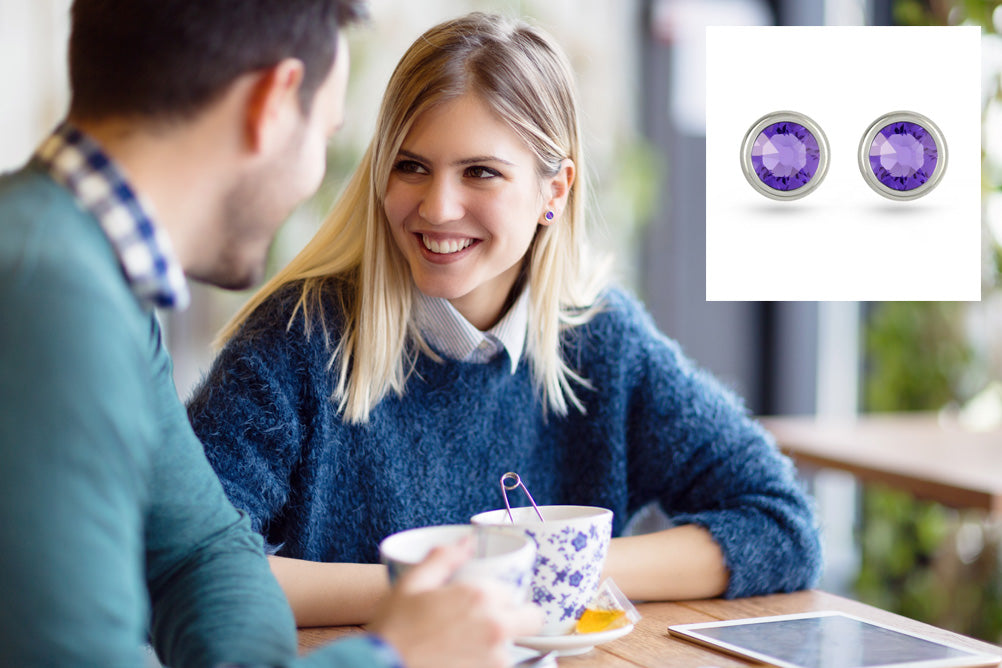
x,y
596,621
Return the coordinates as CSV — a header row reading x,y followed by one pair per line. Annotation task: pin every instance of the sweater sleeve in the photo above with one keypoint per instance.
x,y
214,597
246,414
721,470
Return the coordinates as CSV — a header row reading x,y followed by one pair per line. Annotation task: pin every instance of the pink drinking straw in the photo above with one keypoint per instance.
x,y
514,482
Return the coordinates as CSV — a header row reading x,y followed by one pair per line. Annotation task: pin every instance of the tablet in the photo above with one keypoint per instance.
x,y
828,640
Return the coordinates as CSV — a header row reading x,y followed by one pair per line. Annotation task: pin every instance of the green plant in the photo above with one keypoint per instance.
x,y
919,558
917,355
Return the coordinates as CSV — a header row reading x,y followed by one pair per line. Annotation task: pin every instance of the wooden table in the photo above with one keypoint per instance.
x,y
932,457
650,646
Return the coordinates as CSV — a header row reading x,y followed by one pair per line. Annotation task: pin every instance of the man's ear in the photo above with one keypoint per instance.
x,y
560,189
274,93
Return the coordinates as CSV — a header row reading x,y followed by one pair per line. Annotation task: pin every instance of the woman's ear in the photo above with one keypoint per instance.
x,y
559,190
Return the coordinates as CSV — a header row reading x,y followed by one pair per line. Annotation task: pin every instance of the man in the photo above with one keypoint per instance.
x,y
195,127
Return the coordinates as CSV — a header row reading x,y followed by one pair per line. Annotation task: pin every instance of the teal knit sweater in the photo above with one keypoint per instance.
x,y
656,429
113,528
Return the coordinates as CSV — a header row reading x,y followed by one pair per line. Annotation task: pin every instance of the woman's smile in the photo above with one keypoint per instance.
x,y
446,246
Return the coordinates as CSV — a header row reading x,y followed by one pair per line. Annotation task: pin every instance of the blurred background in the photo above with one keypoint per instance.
x,y
640,72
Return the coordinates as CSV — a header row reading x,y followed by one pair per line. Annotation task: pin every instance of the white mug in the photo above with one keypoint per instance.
x,y
500,554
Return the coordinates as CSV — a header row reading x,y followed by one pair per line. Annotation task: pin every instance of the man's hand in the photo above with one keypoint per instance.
x,y
458,625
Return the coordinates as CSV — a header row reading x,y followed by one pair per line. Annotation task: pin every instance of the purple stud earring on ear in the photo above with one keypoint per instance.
x,y
549,215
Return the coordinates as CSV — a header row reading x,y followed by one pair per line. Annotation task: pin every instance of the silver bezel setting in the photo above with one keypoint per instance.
x,y
753,133
871,133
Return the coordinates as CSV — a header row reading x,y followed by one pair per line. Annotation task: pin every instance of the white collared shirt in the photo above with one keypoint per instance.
x,y
447,331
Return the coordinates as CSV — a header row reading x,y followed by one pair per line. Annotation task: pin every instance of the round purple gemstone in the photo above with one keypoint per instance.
x,y
903,155
785,156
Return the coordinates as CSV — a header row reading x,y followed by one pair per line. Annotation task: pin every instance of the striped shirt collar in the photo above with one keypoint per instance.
x,y
447,331
76,162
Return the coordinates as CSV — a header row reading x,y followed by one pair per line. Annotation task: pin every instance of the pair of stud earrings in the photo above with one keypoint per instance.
x,y
902,155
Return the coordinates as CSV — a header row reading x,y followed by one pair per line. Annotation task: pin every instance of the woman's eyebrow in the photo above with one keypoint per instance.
x,y
465,161
483,158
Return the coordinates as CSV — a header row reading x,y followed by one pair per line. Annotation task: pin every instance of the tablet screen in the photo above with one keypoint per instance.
x,y
827,640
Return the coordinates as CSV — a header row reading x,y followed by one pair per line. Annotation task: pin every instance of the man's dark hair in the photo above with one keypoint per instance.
x,y
169,59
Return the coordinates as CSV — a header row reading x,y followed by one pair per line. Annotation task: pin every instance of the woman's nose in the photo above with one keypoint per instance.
x,y
440,202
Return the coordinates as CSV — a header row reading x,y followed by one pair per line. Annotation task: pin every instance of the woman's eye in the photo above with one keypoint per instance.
x,y
410,167
479,172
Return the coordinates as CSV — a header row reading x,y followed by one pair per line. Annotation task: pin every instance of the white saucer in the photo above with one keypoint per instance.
x,y
572,643
516,654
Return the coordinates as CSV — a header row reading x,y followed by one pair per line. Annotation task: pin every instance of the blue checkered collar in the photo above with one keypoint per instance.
x,y
75,161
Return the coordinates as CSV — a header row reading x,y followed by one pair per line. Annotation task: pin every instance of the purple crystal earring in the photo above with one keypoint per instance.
x,y
902,155
784,155
549,216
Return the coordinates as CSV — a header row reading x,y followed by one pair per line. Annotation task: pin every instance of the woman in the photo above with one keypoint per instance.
x,y
451,322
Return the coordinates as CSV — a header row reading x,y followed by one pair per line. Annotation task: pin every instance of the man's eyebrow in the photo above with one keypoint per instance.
x,y
465,161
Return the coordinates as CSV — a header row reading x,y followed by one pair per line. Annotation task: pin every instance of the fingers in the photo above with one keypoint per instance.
x,y
527,620
513,619
435,621
459,625
437,567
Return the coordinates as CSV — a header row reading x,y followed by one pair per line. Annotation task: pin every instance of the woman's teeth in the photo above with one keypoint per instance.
x,y
445,247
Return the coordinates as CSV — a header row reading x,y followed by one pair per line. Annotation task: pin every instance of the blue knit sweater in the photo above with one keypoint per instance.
x,y
656,429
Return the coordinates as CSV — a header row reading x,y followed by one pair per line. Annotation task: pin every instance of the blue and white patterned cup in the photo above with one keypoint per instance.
x,y
571,544
500,554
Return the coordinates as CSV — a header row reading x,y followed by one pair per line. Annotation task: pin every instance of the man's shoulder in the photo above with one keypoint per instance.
x,y
30,191
48,243
58,270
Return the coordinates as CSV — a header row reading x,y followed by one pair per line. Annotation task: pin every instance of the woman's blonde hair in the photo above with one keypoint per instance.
x,y
519,72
